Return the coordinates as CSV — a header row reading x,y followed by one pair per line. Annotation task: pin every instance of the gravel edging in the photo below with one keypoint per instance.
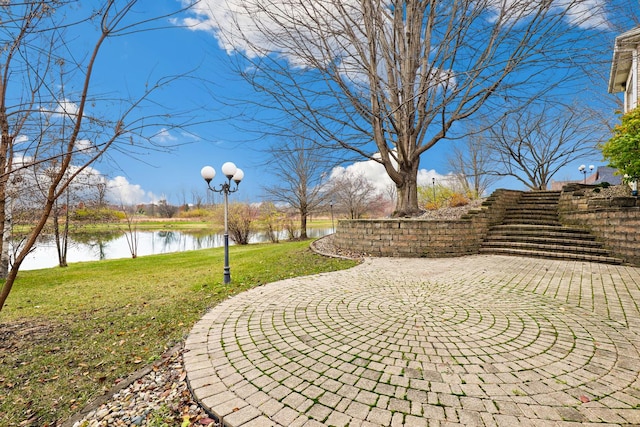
x,y
133,400
325,246
101,400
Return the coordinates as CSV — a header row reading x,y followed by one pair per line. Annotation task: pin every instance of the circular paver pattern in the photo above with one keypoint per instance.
x,y
419,342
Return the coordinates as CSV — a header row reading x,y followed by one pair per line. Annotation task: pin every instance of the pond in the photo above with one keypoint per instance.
x,y
149,243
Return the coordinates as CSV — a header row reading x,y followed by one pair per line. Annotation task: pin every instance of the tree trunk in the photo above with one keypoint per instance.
x,y
407,202
26,249
56,234
303,224
407,189
65,247
61,237
5,240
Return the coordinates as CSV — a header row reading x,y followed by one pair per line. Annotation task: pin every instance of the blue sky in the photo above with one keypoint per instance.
x,y
127,62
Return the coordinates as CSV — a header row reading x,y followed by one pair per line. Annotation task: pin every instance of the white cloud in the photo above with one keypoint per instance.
x,y
83,145
62,108
372,171
20,139
120,190
259,27
590,14
21,160
375,173
164,135
67,107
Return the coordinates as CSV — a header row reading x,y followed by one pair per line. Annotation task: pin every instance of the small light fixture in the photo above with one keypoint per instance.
x,y
583,170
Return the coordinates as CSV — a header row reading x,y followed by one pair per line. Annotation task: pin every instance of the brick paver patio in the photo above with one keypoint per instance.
x,y
480,340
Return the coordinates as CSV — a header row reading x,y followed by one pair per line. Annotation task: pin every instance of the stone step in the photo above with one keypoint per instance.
x,y
551,255
524,215
543,193
532,221
548,247
541,207
540,195
531,227
586,241
536,205
546,200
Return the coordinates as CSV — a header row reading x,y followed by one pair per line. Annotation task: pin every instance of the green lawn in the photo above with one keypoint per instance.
x,y
67,335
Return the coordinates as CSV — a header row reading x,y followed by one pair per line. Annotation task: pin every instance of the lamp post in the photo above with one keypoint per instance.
x,y
583,170
333,228
232,173
433,182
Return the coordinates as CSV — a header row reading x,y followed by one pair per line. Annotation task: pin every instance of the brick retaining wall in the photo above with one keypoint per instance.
x,y
424,238
408,238
614,221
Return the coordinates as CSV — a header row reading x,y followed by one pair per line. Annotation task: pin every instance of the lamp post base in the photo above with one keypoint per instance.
x,y
227,269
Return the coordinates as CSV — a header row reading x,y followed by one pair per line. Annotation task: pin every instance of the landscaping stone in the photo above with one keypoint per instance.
x,y
158,397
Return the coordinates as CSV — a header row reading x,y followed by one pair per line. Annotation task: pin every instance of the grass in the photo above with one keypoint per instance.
x,y
67,335
208,224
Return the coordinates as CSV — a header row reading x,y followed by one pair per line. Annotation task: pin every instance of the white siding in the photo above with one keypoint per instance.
x,y
631,94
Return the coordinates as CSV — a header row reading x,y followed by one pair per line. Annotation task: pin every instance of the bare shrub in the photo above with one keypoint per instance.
x,y
241,216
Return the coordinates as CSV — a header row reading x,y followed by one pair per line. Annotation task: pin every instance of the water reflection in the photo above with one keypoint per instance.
x,y
110,246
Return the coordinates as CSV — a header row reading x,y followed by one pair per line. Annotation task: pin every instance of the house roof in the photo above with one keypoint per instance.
x,y
622,59
607,174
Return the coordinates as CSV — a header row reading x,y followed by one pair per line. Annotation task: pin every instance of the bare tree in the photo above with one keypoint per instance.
x,y
61,231
46,90
533,145
273,219
353,194
388,80
300,168
165,209
198,198
391,193
79,189
101,187
131,229
473,164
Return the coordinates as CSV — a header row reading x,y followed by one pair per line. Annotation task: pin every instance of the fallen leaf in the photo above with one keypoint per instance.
x,y
584,399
